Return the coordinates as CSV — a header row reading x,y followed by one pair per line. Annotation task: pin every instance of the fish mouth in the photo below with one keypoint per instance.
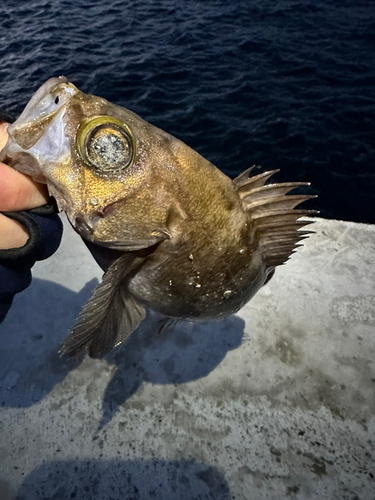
x,y
29,111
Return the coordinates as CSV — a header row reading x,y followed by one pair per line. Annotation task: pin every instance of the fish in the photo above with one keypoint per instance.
x,y
173,233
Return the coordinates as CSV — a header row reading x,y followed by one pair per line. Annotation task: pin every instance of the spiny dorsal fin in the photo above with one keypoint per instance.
x,y
269,190
244,183
243,177
110,316
260,208
276,222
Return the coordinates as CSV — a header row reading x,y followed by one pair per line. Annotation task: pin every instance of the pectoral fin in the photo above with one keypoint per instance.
x,y
111,314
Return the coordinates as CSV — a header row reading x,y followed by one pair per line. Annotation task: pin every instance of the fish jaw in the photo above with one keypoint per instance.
x,y
46,103
42,161
34,107
38,136
39,145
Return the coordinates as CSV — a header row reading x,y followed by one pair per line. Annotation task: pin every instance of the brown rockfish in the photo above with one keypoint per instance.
x,y
172,232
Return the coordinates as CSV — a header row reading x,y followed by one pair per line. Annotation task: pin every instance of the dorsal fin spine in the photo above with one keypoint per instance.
x,y
277,224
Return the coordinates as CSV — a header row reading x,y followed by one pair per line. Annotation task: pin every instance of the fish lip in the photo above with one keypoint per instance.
x,y
42,91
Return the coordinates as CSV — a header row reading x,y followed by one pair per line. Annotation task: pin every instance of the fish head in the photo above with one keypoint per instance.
x,y
92,154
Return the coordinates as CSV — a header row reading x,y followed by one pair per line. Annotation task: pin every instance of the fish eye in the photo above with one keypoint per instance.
x,y
57,100
106,144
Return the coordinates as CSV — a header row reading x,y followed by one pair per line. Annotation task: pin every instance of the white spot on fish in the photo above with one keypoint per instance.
x,y
198,285
242,250
227,294
94,201
191,256
170,282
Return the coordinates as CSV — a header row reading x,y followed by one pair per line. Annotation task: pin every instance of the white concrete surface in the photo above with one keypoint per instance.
x,y
277,402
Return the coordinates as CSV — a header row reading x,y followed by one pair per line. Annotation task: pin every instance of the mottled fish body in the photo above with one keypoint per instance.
x,y
173,232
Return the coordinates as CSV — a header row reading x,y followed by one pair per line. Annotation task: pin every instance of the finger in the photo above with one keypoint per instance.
x,y
3,134
19,191
13,234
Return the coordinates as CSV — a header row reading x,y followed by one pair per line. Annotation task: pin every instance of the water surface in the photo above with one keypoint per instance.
x,y
279,83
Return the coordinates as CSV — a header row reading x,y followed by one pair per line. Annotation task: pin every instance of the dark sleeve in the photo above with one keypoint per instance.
x,y
45,230
6,117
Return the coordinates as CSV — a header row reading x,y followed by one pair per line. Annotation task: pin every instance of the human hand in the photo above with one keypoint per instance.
x,y
17,192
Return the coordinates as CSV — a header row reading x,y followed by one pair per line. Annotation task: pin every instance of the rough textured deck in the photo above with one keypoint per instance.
x,y
275,402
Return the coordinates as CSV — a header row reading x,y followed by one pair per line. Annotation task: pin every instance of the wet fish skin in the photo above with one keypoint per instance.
x,y
187,241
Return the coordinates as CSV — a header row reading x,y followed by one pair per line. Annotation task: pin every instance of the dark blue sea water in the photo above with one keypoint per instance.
x,y
286,84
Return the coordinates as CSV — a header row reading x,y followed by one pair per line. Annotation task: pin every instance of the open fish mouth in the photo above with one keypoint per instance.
x,y
32,110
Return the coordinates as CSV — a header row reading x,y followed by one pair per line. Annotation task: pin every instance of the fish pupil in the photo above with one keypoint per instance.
x,y
111,148
57,100
108,148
